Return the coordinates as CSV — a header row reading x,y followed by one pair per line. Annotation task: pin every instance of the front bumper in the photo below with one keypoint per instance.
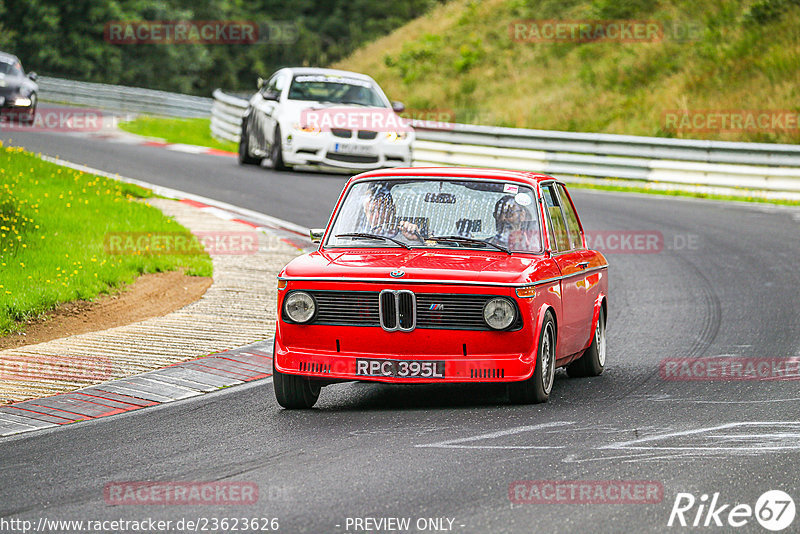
x,y
330,352
9,104
341,366
320,149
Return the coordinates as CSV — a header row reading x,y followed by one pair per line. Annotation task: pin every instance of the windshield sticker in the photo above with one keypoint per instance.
x,y
511,188
332,79
523,199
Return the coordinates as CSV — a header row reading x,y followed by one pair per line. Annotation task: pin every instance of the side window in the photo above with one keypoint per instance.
x,y
556,228
573,226
272,86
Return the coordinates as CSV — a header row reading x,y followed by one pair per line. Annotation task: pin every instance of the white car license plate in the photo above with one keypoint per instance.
x,y
399,368
353,148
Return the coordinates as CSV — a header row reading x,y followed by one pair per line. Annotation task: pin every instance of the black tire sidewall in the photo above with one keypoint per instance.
x,y
589,363
593,365
532,390
244,145
539,391
291,391
276,151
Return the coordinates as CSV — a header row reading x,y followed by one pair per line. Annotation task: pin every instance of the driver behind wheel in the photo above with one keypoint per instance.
x,y
381,219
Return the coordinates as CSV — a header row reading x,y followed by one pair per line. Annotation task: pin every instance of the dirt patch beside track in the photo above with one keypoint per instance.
x,y
150,295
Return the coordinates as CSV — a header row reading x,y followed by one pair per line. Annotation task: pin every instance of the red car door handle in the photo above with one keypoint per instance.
x,y
583,264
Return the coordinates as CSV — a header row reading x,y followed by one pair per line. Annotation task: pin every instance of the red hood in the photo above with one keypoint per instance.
x,y
420,264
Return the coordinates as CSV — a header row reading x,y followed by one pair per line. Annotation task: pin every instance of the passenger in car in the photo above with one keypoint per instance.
x,y
516,228
381,218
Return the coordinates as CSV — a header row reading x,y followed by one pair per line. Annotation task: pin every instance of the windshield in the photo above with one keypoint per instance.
x,y
435,213
11,69
336,90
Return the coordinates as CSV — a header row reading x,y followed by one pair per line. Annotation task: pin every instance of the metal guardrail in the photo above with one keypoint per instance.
x,y
226,116
119,98
684,161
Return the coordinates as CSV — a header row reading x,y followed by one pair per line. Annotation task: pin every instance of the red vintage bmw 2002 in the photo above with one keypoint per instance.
x,y
439,275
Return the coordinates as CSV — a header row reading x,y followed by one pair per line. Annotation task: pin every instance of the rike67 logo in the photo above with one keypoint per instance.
x,y
774,510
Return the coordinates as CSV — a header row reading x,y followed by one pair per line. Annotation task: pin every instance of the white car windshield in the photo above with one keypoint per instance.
x,y
335,90
11,69
438,213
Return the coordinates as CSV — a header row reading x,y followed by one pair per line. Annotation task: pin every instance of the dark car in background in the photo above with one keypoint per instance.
x,y
18,92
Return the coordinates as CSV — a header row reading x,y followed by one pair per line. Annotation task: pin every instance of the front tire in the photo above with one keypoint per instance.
x,y
593,360
244,147
294,392
537,388
276,151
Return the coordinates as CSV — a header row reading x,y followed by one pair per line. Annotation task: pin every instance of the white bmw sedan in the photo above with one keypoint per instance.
x,y
326,118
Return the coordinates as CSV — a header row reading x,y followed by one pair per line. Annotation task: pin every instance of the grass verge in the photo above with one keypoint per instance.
x,y
53,226
184,131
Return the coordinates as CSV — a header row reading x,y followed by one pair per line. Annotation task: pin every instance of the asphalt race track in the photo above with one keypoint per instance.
x,y
725,284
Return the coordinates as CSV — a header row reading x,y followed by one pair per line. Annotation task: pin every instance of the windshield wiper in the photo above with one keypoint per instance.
x,y
363,235
464,240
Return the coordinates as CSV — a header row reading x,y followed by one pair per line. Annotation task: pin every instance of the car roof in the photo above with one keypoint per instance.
x,y
8,58
328,72
457,172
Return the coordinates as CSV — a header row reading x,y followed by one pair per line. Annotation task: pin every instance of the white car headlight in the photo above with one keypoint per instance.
x,y
305,128
499,313
22,102
396,136
300,307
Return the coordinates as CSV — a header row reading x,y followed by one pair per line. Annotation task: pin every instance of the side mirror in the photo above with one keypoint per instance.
x,y
270,95
33,76
398,107
317,234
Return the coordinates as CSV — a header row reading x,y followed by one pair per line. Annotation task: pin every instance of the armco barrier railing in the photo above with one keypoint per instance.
x,y
119,98
685,161
226,116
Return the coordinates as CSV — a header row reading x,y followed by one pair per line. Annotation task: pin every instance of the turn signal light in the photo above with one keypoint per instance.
x,y
526,292
282,284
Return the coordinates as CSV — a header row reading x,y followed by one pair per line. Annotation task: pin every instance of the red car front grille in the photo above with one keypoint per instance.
x,y
403,310
398,310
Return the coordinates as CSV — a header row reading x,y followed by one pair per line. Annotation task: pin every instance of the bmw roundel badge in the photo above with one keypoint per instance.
x,y
397,273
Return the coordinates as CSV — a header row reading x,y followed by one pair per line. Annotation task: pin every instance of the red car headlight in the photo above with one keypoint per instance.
x,y
299,307
499,313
